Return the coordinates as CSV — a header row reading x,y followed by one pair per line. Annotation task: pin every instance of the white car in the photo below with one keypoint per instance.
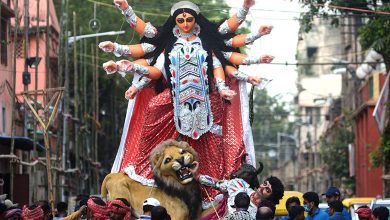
x,y
380,202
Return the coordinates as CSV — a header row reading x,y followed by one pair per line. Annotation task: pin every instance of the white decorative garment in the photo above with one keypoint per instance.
x,y
121,149
192,107
232,188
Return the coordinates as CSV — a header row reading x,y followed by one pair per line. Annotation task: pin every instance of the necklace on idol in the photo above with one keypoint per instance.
x,y
178,33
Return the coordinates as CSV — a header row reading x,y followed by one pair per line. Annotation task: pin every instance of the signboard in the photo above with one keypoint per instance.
x,y
380,111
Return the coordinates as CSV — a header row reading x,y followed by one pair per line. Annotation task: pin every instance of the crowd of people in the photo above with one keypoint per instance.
x,y
336,210
87,207
95,208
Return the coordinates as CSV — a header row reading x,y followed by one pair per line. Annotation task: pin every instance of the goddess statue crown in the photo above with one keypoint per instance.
x,y
184,4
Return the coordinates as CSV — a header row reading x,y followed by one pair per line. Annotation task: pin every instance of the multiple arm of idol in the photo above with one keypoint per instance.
x,y
147,72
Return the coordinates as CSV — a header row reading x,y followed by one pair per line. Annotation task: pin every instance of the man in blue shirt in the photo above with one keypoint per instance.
x,y
292,201
333,194
335,210
310,204
296,213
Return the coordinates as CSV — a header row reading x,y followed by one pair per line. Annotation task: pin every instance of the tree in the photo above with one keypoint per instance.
x,y
270,116
334,152
372,35
375,35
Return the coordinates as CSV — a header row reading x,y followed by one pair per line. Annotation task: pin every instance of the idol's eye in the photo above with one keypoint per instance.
x,y
180,20
190,19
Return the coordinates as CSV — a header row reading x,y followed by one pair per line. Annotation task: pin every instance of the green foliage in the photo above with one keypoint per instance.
x,y
375,34
334,151
376,158
316,8
270,117
382,154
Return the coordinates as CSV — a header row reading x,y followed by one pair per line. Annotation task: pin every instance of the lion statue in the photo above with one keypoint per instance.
x,y
173,163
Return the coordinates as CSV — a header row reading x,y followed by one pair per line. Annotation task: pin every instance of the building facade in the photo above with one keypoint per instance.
x,y
318,87
20,183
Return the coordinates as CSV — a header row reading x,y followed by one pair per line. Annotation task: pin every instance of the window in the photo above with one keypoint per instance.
x,y
3,41
313,114
3,119
53,72
20,48
311,51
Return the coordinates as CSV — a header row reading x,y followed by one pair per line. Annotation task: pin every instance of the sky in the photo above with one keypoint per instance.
x,y
281,43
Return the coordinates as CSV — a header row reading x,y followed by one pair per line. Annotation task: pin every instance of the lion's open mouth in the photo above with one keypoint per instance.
x,y
184,173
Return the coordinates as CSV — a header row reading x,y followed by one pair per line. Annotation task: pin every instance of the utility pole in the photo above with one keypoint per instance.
x,y
59,146
13,126
46,134
65,139
26,74
34,185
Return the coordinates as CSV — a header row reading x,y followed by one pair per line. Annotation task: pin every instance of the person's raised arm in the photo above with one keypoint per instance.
x,y
142,28
231,25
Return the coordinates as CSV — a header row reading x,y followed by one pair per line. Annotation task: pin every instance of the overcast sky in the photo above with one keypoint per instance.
x,y
281,43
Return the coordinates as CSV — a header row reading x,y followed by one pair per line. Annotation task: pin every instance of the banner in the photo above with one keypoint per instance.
x,y
380,111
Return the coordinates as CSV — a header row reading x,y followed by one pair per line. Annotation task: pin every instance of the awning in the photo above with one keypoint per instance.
x,y
21,143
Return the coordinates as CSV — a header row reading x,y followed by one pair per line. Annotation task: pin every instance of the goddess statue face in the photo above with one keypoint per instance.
x,y
185,22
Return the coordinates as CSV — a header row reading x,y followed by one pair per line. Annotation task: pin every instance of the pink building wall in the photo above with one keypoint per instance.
x,y
6,76
21,180
53,45
6,71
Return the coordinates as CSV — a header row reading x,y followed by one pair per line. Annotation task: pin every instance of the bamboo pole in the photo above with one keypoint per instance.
x,y
93,125
46,135
65,138
48,33
46,124
13,127
59,185
76,95
97,109
61,123
86,110
81,106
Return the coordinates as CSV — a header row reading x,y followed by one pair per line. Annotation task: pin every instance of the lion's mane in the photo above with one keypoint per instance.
x,y
190,193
